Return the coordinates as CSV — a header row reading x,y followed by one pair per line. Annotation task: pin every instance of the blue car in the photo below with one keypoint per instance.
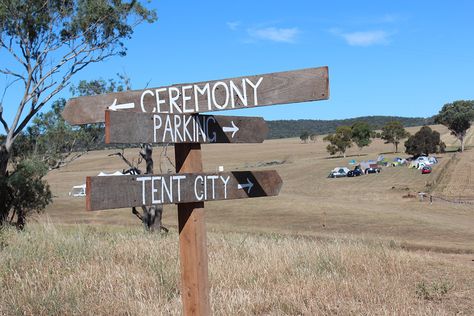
x,y
355,173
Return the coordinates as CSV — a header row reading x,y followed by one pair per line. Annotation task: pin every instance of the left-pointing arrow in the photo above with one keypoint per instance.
x,y
115,106
234,129
248,185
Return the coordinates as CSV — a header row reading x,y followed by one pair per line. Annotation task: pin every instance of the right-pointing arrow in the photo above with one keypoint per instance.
x,y
249,185
234,129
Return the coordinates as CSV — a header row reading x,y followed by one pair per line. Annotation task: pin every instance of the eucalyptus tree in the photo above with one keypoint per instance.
x,y
457,117
43,44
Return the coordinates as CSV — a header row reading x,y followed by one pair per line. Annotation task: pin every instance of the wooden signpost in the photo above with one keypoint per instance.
x,y
170,115
129,128
304,85
137,190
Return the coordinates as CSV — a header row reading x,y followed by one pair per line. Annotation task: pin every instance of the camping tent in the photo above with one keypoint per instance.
x,y
116,173
78,190
341,170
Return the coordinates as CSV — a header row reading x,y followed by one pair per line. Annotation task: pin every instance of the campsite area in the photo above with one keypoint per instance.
x,y
362,245
383,206
236,158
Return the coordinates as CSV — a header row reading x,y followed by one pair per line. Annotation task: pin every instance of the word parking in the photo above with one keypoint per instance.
x,y
131,127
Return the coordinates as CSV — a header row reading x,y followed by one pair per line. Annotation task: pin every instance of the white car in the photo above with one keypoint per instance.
x,y
338,172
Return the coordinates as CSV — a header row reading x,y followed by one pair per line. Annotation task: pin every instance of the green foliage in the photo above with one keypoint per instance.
x,y
53,140
393,132
100,86
99,23
424,142
304,136
340,141
457,117
361,134
51,41
24,191
292,128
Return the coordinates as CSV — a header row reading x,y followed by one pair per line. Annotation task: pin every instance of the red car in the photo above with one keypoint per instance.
x,y
426,169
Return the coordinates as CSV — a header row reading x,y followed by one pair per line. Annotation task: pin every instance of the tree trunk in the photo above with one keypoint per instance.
x,y
462,143
396,147
4,157
151,215
4,208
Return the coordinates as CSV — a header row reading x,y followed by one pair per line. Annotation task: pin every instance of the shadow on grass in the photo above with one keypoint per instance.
x,y
348,156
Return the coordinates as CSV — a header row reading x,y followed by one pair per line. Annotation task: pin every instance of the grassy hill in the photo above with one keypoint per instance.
x,y
309,203
303,252
293,128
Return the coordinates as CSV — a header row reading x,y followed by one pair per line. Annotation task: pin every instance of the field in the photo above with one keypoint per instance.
x,y
90,270
364,245
309,204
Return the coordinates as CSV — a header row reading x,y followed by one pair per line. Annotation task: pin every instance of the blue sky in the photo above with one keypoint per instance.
x,y
404,58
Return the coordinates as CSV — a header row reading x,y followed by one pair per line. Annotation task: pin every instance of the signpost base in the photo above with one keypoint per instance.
x,y
192,239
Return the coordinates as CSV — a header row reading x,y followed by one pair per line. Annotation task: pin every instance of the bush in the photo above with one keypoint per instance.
x,y
23,191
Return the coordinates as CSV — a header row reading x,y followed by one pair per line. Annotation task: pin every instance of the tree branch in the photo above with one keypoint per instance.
x,y
11,51
2,120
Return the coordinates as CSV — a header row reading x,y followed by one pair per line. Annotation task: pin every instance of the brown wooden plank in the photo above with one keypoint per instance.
x,y
127,191
129,128
192,239
303,85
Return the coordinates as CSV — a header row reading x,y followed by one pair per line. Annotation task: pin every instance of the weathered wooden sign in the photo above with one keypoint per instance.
x,y
310,84
137,190
168,115
129,128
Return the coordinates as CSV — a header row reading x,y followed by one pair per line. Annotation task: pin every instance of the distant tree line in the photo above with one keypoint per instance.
x,y
456,116
294,128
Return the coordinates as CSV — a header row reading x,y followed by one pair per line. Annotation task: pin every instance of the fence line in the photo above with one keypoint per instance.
x,y
459,200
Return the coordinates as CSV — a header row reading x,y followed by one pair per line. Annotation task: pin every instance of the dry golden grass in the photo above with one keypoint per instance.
x,y
323,246
309,204
105,270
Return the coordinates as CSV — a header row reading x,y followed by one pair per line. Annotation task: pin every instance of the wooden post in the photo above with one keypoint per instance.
x,y
192,239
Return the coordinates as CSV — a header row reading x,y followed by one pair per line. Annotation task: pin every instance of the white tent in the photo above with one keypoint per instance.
x,y
432,160
341,170
78,190
116,173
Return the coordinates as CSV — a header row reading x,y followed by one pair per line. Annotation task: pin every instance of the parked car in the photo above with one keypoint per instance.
x,y
338,173
355,173
373,168
426,170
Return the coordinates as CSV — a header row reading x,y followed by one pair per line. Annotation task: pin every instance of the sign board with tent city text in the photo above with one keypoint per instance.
x,y
171,115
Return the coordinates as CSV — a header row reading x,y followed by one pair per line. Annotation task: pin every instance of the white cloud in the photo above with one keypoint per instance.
x,y
367,38
388,18
286,35
234,25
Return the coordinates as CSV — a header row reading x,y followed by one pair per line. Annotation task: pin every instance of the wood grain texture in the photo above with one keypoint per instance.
x,y
311,84
130,128
192,239
137,190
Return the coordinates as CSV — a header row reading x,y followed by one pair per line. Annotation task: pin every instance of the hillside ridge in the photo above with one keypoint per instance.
x,y
293,128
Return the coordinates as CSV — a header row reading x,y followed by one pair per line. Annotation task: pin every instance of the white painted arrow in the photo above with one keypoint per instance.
x,y
249,185
234,129
115,106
